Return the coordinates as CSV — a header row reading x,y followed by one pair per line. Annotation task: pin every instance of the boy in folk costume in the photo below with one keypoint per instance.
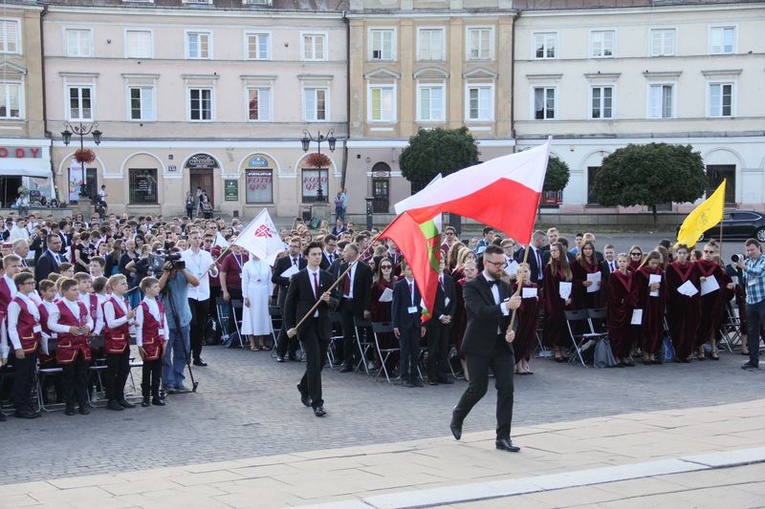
x,y
71,320
49,295
117,316
24,332
150,336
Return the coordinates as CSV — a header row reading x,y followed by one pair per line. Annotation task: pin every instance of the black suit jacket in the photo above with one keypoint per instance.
x,y
300,299
536,271
325,263
44,266
484,316
440,307
362,287
402,299
280,266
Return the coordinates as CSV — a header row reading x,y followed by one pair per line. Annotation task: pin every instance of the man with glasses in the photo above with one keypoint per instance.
x,y
537,258
753,270
450,238
288,265
488,343
329,253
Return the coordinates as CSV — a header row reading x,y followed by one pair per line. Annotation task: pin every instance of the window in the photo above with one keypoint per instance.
x,y
315,104
143,186
259,104
431,44
722,40
199,45
259,186
315,185
258,46
721,99
545,45
544,103
382,44
430,103
10,100
602,102
79,42
141,103
662,42
592,175
80,102
382,103
602,43
200,104
480,102
314,46
716,173
480,44
9,36
661,101
138,44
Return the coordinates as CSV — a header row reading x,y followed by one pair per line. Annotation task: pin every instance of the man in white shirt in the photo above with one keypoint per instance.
x,y
200,263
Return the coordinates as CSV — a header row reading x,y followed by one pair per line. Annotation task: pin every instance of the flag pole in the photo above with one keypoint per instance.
x,y
721,223
331,287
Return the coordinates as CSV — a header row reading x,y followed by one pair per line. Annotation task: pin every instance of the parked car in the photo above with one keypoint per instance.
x,y
739,224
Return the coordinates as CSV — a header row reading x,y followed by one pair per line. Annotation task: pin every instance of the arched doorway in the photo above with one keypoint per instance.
x,y
201,168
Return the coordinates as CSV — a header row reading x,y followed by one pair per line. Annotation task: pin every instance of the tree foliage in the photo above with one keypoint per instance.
x,y
650,175
556,178
435,151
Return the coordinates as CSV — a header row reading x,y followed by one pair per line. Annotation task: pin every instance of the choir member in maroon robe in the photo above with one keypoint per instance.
x,y
470,270
587,263
636,258
555,333
653,306
622,300
683,310
384,280
528,320
712,302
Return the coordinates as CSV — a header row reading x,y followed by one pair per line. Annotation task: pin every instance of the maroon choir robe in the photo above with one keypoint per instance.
x,y
153,341
70,344
581,297
459,323
683,311
652,330
555,332
711,303
116,340
528,322
622,300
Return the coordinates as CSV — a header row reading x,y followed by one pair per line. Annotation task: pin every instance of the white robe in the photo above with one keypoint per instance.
x,y
256,286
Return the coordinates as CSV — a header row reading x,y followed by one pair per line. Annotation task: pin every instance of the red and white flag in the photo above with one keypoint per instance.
x,y
261,238
503,192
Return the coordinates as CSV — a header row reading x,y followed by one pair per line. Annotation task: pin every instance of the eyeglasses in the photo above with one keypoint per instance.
x,y
450,233
208,240
636,254
497,264
386,267
708,251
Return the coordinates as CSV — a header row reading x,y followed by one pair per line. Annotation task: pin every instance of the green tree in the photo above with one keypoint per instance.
x,y
556,178
435,151
650,175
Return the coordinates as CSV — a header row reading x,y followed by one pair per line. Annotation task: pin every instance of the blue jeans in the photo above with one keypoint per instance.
x,y
176,357
755,318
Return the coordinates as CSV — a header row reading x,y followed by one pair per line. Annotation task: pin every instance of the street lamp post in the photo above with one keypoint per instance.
x,y
81,130
306,142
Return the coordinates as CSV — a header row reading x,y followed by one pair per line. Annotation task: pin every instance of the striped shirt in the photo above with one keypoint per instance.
x,y
754,275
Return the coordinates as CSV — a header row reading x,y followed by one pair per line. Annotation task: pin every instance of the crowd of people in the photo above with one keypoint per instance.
x,y
92,285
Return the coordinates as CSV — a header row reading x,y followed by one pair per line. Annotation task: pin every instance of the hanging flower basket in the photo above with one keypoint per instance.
x,y
317,160
84,155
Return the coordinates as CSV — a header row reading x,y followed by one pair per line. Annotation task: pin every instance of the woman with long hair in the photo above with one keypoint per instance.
x,y
636,258
712,302
653,302
528,319
682,309
587,263
383,282
470,271
557,271
622,300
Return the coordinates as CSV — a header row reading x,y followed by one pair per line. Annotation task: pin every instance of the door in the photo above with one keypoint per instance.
x,y
205,180
380,193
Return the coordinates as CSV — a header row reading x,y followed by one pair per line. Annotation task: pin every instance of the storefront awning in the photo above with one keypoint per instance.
x,y
27,167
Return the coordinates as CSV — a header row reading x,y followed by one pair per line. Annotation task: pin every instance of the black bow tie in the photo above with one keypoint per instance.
x,y
494,282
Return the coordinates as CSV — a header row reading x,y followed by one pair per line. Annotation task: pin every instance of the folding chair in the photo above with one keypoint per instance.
x,y
237,306
43,374
383,353
224,312
730,329
542,351
579,320
337,337
95,374
362,326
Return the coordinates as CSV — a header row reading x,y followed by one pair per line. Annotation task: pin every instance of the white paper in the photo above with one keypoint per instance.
x,y
734,279
565,289
637,317
654,278
528,293
387,295
688,289
290,272
709,285
595,278
512,268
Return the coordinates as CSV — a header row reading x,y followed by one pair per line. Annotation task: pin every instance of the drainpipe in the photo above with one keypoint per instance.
x,y
46,132
347,97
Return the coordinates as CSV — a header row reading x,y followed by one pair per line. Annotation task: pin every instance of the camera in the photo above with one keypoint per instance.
x,y
736,257
158,260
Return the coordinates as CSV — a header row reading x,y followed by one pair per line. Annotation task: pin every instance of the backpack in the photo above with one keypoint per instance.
x,y
604,357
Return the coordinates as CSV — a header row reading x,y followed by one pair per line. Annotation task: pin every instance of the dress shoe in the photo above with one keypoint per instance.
x,y
279,358
304,397
125,403
69,410
145,403
292,357
749,365
346,369
182,389
199,362
114,405
505,444
157,402
456,428
432,381
445,381
3,418
26,414
84,409
319,411
417,382
408,383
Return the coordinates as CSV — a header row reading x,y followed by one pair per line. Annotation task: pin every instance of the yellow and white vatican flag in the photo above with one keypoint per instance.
x,y
708,214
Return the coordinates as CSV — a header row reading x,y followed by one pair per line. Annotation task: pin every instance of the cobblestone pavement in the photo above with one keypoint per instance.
x,y
247,406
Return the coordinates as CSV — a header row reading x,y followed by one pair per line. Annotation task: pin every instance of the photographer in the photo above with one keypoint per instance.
x,y
174,284
753,270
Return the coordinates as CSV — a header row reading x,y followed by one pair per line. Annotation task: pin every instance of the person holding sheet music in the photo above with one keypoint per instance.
x,y
528,319
683,306
381,297
284,268
622,301
558,283
590,278
712,281
652,292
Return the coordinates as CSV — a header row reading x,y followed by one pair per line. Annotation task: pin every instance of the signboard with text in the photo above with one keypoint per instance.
x,y
231,190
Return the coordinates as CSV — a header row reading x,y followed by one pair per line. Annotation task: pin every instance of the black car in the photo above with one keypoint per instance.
x,y
739,224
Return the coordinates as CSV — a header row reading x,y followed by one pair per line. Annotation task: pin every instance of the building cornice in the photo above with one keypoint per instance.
x,y
611,11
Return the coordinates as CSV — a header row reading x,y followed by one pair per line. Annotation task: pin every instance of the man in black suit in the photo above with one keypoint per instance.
x,y
537,258
488,343
405,316
439,329
355,301
50,259
307,287
293,259
330,254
